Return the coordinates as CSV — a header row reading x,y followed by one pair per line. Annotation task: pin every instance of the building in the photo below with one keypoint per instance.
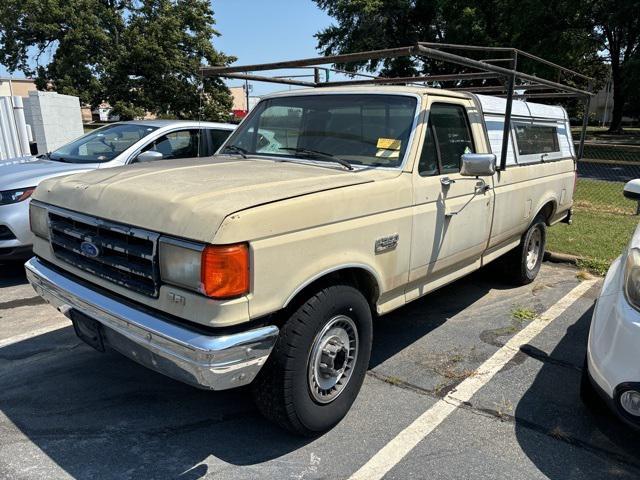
x,y
19,87
239,108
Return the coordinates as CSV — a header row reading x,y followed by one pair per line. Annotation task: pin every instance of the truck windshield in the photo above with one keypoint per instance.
x,y
101,145
354,129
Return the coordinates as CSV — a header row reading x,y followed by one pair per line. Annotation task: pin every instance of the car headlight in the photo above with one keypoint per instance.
x,y
632,278
39,220
218,271
14,196
180,262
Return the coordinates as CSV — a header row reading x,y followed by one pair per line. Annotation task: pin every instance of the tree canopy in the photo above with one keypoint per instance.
x,y
588,36
138,55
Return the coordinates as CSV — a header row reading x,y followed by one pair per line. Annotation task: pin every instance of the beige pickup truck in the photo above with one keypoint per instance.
x,y
266,264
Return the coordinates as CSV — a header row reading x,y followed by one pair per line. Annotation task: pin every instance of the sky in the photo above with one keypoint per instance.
x,y
260,31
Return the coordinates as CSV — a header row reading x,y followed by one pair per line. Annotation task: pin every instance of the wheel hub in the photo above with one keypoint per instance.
x,y
332,358
533,249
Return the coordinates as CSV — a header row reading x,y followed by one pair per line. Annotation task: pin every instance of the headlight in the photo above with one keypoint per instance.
x,y
180,262
39,220
14,196
218,271
632,278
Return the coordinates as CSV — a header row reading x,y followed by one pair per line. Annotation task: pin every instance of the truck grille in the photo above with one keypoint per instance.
x,y
121,254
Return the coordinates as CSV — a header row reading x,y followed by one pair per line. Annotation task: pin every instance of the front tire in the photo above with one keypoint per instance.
x,y
318,364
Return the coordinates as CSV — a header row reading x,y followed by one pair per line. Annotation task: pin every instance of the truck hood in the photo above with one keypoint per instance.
x,y
30,171
190,198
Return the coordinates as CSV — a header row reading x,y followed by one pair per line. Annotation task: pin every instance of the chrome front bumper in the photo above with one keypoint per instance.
x,y
211,362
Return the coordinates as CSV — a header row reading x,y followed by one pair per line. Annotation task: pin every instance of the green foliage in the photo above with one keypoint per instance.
x,y
523,314
603,224
138,55
538,27
591,36
616,29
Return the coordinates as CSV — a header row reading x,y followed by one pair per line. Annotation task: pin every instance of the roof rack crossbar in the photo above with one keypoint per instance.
x,y
513,51
312,62
469,62
418,79
500,88
261,78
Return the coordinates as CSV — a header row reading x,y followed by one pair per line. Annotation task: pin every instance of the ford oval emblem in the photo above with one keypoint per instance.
x,y
89,249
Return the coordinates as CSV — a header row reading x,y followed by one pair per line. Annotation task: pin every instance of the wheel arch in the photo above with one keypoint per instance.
x,y
547,210
359,275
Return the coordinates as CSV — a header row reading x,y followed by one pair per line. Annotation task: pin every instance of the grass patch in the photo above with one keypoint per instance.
x,y
596,237
602,226
523,314
601,196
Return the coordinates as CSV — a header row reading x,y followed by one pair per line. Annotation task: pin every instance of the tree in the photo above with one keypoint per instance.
x,y
138,55
367,24
560,31
616,26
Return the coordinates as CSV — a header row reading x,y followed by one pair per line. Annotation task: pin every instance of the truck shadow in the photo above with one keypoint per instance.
x,y
103,416
421,317
551,411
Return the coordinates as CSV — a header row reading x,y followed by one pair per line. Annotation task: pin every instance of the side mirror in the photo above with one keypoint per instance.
x,y
632,189
149,156
478,164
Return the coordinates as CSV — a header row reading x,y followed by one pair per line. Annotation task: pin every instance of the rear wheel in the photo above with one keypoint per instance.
x,y
523,263
319,362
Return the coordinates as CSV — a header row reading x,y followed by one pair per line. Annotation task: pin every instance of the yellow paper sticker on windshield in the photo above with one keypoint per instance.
x,y
389,144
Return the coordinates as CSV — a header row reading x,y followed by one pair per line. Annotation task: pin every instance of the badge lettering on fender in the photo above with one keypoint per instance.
x,y
384,244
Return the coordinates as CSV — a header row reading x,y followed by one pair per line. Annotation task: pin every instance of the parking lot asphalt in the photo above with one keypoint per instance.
x,y
67,411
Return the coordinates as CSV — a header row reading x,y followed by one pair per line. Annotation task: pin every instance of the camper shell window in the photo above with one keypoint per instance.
x,y
536,139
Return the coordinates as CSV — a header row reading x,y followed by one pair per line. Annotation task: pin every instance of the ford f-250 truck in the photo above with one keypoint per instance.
x,y
265,264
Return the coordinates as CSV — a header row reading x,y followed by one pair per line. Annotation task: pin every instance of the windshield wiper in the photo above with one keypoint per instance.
x,y
316,153
49,157
236,149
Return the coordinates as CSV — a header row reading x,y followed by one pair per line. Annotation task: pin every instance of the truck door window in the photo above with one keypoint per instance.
x,y
428,164
452,134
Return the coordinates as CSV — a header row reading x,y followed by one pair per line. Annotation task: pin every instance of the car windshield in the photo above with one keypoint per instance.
x,y
352,129
103,144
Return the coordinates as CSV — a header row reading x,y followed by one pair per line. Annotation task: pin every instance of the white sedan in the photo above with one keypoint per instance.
x,y
613,352
114,145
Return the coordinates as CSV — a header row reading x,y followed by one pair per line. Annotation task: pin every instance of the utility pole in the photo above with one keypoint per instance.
x,y
246,92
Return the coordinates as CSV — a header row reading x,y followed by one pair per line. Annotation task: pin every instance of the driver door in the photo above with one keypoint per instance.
x,y
452,213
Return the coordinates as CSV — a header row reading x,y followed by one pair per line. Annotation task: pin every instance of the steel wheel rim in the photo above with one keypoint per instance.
x,y
533,248
332,359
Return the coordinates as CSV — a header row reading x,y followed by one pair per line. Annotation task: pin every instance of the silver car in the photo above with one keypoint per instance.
x,y
114,145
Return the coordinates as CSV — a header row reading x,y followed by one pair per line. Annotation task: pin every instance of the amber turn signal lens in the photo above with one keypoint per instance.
x,y
225,270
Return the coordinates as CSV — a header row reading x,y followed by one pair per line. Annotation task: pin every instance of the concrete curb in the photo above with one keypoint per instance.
x,y
561,258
